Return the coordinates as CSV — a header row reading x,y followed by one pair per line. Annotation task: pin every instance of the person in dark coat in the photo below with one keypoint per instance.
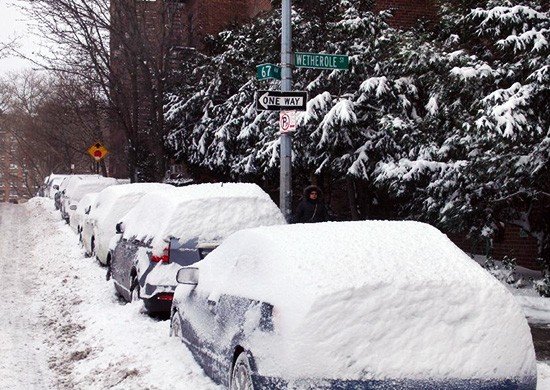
x,y
311,208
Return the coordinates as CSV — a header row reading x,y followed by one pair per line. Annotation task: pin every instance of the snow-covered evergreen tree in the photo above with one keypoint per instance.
x,y
488,122
449,126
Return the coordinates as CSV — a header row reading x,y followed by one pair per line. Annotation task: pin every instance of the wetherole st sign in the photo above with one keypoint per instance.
x,y
320,61
281,100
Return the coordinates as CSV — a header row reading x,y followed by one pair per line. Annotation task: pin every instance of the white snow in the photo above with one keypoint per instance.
x,y
62,326
184,213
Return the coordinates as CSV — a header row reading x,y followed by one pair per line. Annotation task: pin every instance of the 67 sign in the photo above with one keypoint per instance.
x,y
268,71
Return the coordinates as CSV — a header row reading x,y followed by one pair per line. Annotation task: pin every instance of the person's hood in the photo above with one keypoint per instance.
x,y
311,188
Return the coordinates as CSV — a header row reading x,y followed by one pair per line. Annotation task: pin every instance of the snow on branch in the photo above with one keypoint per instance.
x,y
341,115
507,15
505,105
406,169
537,39
469,72
315,109
380,84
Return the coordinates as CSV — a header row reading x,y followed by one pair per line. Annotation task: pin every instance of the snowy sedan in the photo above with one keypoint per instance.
x,y
81,212
171,229
351,305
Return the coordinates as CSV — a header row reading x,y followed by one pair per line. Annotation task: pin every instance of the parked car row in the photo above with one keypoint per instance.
x,y
336,305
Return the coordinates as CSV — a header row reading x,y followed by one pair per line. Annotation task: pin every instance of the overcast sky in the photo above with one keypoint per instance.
x,y
13,24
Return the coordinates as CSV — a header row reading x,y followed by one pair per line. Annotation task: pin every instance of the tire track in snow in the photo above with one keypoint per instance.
x,y
21,326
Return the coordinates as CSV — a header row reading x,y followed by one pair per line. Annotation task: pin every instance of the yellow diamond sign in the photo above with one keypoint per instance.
x,y
97,151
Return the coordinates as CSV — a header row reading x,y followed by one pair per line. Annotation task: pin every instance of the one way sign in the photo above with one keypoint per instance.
x,y
281,100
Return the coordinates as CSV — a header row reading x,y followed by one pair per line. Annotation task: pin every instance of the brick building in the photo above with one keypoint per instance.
x,y
408,13
144,36
13,176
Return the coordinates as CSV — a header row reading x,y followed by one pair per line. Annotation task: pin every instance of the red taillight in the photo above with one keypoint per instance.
x,y
165,297
164,258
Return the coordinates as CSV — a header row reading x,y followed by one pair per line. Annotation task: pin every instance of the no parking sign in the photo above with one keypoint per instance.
x,y
287,121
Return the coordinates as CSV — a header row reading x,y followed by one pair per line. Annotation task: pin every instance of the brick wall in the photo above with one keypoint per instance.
x,y
407,13
209,17
512,242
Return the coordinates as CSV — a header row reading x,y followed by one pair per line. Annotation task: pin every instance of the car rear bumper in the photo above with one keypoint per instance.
x,y
160,303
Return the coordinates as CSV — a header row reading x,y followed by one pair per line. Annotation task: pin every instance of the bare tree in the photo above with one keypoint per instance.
x,y
51,120
121,48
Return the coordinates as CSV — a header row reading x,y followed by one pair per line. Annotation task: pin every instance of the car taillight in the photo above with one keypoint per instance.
x,y
165,297
164,258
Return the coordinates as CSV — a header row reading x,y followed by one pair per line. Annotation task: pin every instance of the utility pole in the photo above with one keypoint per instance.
x,y
285,186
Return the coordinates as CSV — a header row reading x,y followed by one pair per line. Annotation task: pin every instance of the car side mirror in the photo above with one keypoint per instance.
x,y
188,275
55,187
73,207
119,228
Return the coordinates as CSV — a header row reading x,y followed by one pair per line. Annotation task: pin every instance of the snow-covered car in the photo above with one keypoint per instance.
x,y
67,181
108,208
79,187
169,230
51,184
78,217
351,305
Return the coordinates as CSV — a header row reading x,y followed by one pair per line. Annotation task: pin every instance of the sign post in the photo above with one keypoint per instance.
x,y
285,179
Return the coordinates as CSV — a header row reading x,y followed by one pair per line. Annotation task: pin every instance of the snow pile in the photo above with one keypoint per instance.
x,y
385,300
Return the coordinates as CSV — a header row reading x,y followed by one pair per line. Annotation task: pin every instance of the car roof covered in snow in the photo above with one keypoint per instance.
x,y
207,212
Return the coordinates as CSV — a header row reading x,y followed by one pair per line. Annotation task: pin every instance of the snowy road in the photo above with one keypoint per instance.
x,y
62,327
20,324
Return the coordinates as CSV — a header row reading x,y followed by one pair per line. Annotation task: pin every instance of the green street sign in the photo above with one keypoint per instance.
x,y
268,71
320,61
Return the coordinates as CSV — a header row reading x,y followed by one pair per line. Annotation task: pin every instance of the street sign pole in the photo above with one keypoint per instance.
x,y
285,185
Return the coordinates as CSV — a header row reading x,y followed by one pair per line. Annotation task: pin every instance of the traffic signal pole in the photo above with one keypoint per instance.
x,y
285,183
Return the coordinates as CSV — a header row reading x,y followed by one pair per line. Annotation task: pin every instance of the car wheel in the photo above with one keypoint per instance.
x,y
241,378
175,326
134,291
92,247
109,271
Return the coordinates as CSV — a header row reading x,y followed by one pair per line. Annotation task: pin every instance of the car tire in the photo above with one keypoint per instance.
x,y
109,273
92,247
175,326
134,291
241,376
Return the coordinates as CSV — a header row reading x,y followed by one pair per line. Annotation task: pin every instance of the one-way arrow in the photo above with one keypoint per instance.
x,y
281,100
